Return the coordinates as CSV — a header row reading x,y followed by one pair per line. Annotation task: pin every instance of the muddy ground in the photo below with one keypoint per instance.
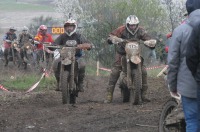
x,y
44,112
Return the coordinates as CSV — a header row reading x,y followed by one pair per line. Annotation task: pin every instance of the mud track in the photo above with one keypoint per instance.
x,y
44,112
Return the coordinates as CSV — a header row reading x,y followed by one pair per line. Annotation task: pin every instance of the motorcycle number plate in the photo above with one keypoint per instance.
x,y
133,46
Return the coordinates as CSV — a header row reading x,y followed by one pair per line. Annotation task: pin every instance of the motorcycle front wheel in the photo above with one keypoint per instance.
x,y
167,108
135,93
67,96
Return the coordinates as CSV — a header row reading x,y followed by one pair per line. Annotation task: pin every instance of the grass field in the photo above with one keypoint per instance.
x,y
25,5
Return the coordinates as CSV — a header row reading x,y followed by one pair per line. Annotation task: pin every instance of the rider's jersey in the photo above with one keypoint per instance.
x,y
80,39
9,36
137,35
46,38
24,38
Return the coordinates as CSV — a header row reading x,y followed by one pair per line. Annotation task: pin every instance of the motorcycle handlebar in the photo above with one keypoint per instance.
x,y
80,46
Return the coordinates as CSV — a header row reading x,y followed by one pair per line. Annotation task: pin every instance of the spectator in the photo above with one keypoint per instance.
x,y
179,77
193,51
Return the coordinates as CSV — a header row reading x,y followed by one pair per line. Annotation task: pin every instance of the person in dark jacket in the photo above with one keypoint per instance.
x,y
8,38
24,38
193,49
179,76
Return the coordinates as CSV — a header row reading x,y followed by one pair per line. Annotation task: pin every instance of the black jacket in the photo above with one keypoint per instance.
x,y
80,39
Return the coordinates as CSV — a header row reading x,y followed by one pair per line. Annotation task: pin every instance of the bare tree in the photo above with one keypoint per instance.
x,y
175,10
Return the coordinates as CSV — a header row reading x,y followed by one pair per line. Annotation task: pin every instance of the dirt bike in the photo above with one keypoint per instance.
x,y
131,63
131,82
25,53
68,83
168,121
11,53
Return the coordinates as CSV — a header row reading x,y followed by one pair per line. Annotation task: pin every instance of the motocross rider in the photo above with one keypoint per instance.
x,y
8,38
70,27
130,31
23,38
42,36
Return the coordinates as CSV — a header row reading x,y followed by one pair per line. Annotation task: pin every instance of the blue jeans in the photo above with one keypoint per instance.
x,y
190,111
198,99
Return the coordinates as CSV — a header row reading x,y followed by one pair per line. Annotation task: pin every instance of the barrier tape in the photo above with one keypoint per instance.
x,y
155,67
162,71
3,88
36,84
149,68
45,74
105,69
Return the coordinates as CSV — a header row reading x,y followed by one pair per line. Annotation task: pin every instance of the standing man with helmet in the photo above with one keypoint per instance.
x,y
23,38
8,38
70,27
42,37
131,30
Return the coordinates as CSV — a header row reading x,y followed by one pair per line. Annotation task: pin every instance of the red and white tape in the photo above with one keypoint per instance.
x,y
155,67
45,73
3,88
36,84
105,69
148,68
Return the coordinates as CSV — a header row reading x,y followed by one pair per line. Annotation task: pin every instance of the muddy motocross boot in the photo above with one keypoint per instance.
x,y
6,62
57,75
109,94
57,85
81,77
144,92
115,73
5,54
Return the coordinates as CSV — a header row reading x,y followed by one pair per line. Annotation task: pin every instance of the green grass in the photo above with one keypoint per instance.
x,y
12,5
25,82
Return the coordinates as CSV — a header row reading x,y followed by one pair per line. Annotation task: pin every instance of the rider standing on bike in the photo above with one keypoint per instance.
x,y
132,31
23,38
42,37
70,27
8,38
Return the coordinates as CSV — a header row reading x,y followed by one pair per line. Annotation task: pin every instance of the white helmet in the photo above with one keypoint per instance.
x,y
70,22
132,19
13,28
25,28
